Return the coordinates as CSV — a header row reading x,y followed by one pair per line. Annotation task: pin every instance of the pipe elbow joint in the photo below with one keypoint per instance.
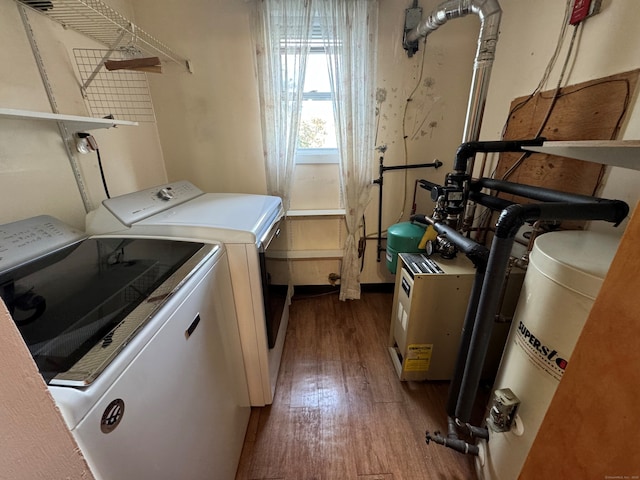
x,y
463,154
511,219
487,8
621,210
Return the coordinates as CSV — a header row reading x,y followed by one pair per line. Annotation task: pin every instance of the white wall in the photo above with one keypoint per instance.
x,y
608,45
437,80
35,173
209,121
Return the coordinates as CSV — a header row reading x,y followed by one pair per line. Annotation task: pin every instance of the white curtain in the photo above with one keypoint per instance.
x,y
349,33
349,30
282,32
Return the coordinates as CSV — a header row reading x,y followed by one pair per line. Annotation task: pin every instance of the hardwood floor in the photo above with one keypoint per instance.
x,y
340,411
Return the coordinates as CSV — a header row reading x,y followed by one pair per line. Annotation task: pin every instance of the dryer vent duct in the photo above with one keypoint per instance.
x,y
489,12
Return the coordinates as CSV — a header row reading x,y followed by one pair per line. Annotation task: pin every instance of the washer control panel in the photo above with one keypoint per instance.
x,y
28,239
136,206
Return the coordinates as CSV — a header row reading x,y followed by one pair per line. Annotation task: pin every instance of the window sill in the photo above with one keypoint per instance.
x,y
311,156
334,212
304,254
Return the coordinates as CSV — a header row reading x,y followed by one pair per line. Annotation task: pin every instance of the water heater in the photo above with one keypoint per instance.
x,y
566,270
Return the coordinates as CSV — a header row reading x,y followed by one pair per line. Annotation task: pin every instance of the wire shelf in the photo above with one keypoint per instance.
x,y
124,94
98,21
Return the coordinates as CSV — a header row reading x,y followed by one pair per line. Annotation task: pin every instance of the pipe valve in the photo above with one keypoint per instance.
x,y
503,410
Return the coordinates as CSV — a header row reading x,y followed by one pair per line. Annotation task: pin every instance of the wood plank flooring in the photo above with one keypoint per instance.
x,y
340,411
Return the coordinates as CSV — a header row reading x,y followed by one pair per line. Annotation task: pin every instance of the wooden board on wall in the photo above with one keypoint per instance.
x,y
593,110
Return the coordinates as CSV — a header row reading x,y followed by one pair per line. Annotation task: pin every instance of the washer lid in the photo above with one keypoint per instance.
x,y
78,307
577,260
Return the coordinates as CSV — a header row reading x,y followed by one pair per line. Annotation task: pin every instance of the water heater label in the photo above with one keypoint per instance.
x,y
418,357
541,354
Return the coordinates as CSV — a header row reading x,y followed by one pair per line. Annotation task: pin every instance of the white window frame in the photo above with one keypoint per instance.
x,y
310,156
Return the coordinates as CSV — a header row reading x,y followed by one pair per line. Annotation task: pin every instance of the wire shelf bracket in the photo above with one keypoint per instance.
x,y
123,94
100,22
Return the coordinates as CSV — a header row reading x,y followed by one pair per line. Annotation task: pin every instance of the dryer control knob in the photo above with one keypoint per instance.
x,y
165,194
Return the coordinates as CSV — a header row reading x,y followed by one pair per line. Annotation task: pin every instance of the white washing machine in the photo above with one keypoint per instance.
x,y
246,224
138,343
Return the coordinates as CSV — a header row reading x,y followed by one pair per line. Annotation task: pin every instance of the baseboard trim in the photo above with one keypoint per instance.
x,y
301,291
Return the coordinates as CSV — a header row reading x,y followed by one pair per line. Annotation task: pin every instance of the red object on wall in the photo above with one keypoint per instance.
x,y
580,11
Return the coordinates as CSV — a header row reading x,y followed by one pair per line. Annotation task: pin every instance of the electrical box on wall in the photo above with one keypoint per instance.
x,y
583,9
412,17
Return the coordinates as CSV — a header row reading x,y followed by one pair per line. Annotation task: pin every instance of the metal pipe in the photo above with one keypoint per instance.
x,y
452,442
473,431
380,182
490,13
436,164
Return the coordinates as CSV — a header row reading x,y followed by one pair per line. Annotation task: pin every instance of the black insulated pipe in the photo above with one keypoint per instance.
x,y
483,326
477,253
510,220
486,293
465,340
465,156
469,149
513,217
535,193
489,201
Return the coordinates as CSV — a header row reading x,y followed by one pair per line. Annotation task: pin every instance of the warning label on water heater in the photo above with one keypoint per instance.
x,y
418,357
542,355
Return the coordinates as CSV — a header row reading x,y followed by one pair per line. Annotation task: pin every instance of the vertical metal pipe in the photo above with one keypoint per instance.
x,y
489,13
380,182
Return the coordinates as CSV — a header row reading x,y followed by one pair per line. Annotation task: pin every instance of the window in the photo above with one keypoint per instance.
x,y
317,141
283,41
316,176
